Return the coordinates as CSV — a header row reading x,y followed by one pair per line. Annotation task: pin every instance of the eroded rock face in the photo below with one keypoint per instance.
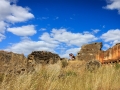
x,y
89,51
12,62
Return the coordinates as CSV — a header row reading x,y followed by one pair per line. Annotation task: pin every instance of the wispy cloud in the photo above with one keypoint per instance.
x,y
113,36
42,29
95,30
11,13
2,37
2,26
103,26
57,18
43,18
113,4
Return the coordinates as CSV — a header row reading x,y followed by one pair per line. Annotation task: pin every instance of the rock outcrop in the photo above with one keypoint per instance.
x,y
89,51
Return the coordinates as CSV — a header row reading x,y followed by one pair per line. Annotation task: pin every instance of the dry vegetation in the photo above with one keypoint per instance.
x,y
72,77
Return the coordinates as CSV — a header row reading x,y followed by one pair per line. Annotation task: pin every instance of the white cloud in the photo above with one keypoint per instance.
x,y
28,30
71,50
43,29
13,1
43,18
106,46
2,26
27,46
86,32
113,4
57,38
19,14
112,35
4,9
13,13
2,37
95,30
62,35
46,37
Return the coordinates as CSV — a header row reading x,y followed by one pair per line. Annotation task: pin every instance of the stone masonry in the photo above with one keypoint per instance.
x,y
89,51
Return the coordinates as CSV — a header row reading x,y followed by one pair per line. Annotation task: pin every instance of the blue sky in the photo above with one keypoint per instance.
x,y
59,26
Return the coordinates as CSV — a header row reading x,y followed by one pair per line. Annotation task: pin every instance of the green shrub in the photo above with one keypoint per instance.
x,y
117,66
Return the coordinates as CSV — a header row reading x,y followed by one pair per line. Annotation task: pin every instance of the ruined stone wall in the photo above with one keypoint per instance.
x,y
12,62
16,63
41,57
110,55
89,51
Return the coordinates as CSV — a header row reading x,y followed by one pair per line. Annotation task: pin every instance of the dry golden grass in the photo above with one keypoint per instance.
x,y
72,77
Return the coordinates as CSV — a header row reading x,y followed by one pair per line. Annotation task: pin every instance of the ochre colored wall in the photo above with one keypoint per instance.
x,y
110,55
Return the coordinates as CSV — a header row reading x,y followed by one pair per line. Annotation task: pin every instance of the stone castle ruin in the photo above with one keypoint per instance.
x,y
89,51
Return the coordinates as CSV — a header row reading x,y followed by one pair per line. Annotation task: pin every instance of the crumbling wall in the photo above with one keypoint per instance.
x,y
12,62
110,55
89,51
16,63
41,57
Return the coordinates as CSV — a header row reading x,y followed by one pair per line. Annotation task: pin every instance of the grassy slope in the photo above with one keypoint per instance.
x,y
73,77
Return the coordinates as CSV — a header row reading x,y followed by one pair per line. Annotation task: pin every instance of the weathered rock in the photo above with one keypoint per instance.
x,y
89,51
41,57
111,55
12,62
17,63
93,65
